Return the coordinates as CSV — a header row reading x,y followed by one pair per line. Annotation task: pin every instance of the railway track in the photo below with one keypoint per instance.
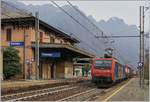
x,y
91,94
88,95
30,94
38,93
75,92
75,96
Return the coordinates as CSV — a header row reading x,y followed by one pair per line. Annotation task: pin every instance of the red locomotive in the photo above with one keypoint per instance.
x,y
109,70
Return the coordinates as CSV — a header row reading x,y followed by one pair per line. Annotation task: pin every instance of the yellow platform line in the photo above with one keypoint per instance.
x,y
116,91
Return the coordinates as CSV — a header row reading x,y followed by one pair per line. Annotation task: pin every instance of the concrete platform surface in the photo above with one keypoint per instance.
x,y
9,87
27,83
130,91
9,84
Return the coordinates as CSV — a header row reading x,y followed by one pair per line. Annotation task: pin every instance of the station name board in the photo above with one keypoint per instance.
x,y
51,54
16,43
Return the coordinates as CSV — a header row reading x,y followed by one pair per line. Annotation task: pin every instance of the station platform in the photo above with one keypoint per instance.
x,y
130,91
15,86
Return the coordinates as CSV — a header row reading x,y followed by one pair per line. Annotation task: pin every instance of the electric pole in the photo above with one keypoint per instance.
x,y
141,62
37,44
24,56
1,56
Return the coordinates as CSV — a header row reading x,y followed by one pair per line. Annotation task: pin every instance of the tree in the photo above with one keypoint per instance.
x,y
11,62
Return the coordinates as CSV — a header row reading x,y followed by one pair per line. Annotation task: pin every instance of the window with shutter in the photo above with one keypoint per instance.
x,y
8,34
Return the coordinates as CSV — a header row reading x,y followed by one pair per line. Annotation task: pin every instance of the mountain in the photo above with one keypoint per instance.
x,y
126,49
129,46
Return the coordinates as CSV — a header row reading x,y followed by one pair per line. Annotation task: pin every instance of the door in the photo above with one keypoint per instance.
x,y
52,70
40,71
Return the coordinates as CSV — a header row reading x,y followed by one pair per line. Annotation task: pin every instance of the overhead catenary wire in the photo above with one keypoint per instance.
x,y
12,17
98,28
73,18
120,55
125,30
83,26
84,16
20,11
102,36
71,34
117,36
94,35
94,26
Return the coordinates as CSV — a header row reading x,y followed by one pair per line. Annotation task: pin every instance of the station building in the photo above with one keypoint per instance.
x,y
56,48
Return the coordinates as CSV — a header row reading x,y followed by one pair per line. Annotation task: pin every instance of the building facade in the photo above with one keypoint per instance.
x,y
56,48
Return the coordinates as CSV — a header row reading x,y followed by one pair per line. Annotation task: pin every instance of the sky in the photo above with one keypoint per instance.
x,y
126,10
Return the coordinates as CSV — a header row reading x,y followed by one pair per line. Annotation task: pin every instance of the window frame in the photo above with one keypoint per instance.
x,y
9,36
100,67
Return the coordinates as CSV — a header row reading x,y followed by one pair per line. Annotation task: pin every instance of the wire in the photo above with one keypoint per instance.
x,y
99,30
117,36
80,40
120,55
83,26
21,12
57,27
84,16
6,15
124,30
73,18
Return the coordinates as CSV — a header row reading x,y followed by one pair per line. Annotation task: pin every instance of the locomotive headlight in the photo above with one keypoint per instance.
x,y
108,70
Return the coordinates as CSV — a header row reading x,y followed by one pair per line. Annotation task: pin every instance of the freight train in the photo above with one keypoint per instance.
x,y
109,70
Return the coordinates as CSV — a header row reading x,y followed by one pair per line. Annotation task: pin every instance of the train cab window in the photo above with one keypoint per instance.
x,y
103,64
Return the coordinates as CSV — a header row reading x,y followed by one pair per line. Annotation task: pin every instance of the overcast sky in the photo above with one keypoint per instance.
x,y
126,10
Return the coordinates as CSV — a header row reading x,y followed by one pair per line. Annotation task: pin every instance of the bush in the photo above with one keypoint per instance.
x,y
11,62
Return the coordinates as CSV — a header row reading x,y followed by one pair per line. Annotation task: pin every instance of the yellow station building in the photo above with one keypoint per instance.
x,y
56,49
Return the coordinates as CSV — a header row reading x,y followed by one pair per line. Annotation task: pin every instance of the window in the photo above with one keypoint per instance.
x,y
103,64
46,33
8,34
41,36
52,39
65,41
61,41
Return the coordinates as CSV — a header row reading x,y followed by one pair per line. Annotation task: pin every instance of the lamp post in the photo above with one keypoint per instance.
x,y
29,70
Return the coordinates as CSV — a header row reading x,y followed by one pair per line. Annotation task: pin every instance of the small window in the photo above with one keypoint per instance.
x,y
8,34
65,41
41,36
46,33
52,39
61,41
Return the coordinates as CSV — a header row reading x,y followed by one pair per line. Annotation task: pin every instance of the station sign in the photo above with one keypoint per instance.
x,y
16,43
51,54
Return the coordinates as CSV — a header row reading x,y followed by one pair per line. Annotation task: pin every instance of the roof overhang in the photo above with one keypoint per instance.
x,y
31,20
64,46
